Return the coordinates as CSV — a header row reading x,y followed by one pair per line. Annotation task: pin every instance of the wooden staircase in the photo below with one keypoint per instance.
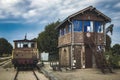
x,y
100,59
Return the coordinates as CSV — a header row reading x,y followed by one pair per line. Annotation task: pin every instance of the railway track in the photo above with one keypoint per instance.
x,y
5,62
33,71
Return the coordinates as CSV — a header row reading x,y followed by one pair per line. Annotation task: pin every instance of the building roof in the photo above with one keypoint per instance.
x,y
81,12
24,40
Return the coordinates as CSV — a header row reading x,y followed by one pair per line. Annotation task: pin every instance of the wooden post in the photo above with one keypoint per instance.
x,y
83,57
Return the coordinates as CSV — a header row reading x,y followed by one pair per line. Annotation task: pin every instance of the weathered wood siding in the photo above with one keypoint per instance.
x,y
78,37
88,57
64,57
77,55
95,38
89,16
100,39
65,39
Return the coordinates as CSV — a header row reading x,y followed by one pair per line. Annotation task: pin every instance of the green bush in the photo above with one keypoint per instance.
x,y
114,60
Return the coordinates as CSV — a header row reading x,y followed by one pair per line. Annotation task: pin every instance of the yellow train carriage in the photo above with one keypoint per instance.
x,y
25,53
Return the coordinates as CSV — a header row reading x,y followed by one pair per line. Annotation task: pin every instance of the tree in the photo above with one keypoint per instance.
x,y
108,43
48,39
5,47
108,38
116,49
114,52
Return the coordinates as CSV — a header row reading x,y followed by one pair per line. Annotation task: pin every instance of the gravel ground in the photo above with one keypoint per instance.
x,y
84,74
87,74
28,75
9,74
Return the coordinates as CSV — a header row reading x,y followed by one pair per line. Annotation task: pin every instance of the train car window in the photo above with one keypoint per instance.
x,y
21,45
18,45
32,45
29,45
25,45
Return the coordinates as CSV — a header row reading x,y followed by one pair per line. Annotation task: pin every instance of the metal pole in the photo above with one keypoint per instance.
x,y
104,34
72,42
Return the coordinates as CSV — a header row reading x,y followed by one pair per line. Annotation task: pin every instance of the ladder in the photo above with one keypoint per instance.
x,y
100,59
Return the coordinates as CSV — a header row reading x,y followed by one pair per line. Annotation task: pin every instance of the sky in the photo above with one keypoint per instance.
x,y
18,17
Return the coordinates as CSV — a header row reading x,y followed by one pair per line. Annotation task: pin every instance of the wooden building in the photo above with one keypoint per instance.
x,y
80,36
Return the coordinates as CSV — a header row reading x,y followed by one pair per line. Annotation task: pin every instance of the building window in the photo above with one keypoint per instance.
x,y
77,25
64,31
91,26
60,32
69,28
98,27
88,26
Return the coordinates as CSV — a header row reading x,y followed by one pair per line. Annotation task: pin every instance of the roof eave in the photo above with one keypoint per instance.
x,y
82,11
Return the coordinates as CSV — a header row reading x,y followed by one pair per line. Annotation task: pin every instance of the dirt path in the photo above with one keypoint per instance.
x,y
84,74
87,74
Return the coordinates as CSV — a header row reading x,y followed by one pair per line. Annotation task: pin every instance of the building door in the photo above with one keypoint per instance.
x,y
78,57
88,57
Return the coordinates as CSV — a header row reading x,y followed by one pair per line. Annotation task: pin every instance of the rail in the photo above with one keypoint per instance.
x,y
5,62
15,78
35,75
16,75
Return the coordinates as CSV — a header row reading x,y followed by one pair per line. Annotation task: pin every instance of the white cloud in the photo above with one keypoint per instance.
x,y
30,14
46,11
9,7
9,3
117,5
31,35
40,8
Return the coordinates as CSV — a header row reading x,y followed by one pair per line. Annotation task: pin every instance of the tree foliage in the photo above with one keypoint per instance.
x,y
48,39
112,52
5,47
108,43
114,56
116,49
108,38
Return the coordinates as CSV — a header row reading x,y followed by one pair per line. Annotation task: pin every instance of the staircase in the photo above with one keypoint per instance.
x,y
100,58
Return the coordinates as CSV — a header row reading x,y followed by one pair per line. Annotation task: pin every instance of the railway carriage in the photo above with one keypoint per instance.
x,y
25,53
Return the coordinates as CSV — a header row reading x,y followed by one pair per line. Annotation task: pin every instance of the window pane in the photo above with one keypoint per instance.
x,y
77,25
86,26
101,28
98,26
69,28
91,26
64,30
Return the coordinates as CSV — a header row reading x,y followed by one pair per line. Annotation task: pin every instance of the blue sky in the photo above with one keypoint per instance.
x,y
18,17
